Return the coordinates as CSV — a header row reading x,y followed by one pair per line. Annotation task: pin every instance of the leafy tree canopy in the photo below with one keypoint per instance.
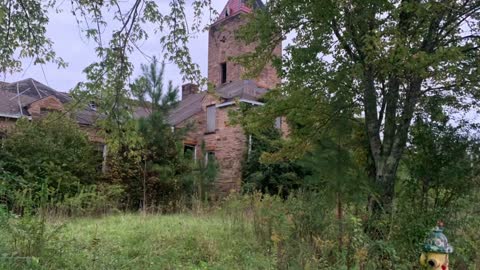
x,y
384,60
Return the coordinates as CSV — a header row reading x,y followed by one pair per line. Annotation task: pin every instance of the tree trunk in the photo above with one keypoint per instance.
x,y
388,151
385,179
340,223
145,187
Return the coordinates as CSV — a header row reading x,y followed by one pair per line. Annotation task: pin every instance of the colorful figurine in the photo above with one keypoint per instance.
x,y
436,250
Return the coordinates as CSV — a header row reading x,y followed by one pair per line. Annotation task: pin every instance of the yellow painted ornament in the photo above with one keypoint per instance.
x,y
436,250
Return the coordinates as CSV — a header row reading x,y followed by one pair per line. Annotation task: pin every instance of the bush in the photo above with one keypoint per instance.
x,y
90,200
52,153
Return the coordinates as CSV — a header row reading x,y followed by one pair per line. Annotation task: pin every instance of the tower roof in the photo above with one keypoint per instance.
x,y
236,6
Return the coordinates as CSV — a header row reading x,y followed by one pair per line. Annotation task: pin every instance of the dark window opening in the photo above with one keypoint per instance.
x,y
209,156
223,67
189,151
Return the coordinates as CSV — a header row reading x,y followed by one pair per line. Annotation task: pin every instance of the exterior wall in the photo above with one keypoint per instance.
x,y
227,142
49,103
222,45
230,149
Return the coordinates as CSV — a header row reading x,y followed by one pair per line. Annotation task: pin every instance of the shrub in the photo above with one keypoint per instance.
x,y
52,152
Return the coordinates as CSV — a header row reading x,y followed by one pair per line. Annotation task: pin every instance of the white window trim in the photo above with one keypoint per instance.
x,y
231,103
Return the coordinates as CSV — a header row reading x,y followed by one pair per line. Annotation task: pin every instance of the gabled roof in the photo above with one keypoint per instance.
x,y
12,105
16,97
187,108
34,89
245,91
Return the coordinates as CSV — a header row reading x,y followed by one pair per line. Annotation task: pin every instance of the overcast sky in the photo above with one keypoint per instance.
x,y
78,52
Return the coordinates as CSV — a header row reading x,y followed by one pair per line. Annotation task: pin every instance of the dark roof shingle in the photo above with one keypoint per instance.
x,y
245,89
34,89
187,108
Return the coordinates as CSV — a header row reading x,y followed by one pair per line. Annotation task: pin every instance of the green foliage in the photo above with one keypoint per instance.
x,y
23,34
151,165
203,175
90,200
275,177
385,59
52,153
261,171
439,181
339,161
438,184
153,242
300,231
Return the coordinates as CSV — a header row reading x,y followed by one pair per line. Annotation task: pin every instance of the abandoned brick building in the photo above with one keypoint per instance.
x,y
210,111
207,111
31,99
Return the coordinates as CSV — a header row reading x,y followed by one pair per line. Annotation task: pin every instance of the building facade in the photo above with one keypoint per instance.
x,y
209,112
206,112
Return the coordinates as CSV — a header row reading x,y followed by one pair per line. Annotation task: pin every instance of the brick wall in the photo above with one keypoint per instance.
x,y
222,44
228,142
38,108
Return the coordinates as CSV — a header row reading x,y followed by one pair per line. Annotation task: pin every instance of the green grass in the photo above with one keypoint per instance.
x,y
154,242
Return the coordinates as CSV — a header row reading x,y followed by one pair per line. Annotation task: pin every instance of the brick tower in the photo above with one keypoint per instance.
x,y
222,45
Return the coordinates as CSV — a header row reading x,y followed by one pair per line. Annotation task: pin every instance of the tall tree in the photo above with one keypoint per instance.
x,y
157,144
387,58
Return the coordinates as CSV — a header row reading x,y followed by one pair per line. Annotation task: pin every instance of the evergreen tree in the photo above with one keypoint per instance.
x,y
157,149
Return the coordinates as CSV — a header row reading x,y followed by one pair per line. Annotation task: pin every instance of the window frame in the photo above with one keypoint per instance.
x,y
193,148
208,154
211,125
223,73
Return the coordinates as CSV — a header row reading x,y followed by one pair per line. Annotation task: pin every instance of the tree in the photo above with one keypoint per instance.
x,y
276,178
385,58
51,153
441,161
23,34
337,167
157,144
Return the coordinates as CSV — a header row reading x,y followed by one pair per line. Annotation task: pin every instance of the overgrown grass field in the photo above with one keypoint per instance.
x,y
134,241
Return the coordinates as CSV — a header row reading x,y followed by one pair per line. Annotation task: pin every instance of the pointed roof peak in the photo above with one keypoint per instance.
x,y
236,6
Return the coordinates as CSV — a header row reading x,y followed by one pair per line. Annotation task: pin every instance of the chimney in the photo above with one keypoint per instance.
x,y
189,89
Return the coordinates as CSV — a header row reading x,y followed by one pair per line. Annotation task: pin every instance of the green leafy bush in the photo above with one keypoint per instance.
x,y
51,153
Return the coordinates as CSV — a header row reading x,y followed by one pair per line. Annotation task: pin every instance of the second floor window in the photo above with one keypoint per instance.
x,y
223,72
211,118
